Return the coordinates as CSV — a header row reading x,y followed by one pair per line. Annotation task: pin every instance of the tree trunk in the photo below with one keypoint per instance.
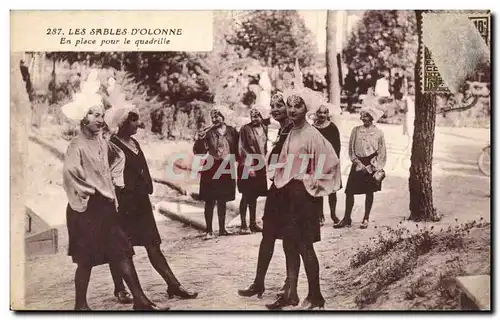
x,y
420,181
54,87
332,72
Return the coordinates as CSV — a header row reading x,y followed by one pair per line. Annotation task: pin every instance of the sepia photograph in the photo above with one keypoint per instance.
x,y
310,160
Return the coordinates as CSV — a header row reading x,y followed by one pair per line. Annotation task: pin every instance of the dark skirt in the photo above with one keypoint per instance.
x,y
137,219
95,236
221,188
360,182
272,226
300,213
253,187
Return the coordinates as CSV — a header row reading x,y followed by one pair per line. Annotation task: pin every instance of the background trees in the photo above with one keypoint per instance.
x,y
275,37
179,86
384,39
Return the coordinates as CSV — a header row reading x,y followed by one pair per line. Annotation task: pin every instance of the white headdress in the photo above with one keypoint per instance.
x,y
374,111
373,107
120,107
312,99
84,100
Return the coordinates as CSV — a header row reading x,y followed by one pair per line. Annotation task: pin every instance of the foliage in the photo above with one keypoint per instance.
x,y
227,68
172,88
394,253
385,39
388,39
423,240
178,81
275,37
315,77
68,79
171,75
134,93
393,268
446,284
416,289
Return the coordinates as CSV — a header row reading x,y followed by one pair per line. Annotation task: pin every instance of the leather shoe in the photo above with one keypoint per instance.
x,y
124,297
255,228
344,223
225,233
181,292
364,224
149,307
244,230
282,302
252,290
208,236
309,304
335,220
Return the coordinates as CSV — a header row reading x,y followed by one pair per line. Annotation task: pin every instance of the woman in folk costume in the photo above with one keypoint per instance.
x,y
220,141
135,210
331,133
307,169
93,167
367,151
272,220
252,184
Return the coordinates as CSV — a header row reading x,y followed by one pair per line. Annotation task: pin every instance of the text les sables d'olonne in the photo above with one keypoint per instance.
x,y
158,36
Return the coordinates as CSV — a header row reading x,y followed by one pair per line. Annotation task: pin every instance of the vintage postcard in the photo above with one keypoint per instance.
x,y
251,160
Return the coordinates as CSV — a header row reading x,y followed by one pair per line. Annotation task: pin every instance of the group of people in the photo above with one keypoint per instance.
x,y
293,208
107,182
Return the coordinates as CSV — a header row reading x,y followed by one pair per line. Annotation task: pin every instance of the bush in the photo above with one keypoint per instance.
x,y
394,253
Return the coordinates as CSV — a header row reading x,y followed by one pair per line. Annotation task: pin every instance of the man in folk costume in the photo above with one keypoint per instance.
x,y
220,144
252,183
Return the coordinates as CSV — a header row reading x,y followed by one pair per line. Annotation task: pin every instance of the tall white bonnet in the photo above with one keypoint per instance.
x,y
83,101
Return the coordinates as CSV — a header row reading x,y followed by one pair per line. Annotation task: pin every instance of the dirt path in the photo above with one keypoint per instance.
x,y
219,267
